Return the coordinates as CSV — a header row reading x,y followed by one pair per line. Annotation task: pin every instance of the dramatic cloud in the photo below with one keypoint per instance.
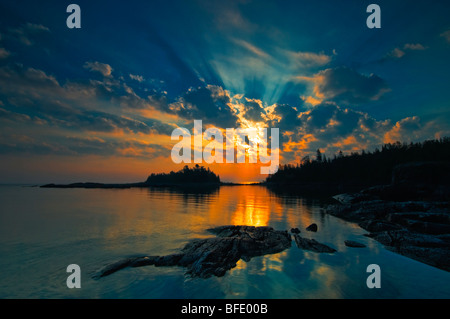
x,y
346,86
23,87
4,53
75,105
253,110
251,48
106,110
414,47
22,144
210,103
32,27
446,35
261,72
331,129
228,63
414,129
25,32
51,118
398,53
286,117
104,69
228,15
80,146
138,78
13,116
307,59
96,121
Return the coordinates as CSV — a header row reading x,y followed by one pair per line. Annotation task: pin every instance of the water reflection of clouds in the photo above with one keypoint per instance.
x,y
170,218
274,262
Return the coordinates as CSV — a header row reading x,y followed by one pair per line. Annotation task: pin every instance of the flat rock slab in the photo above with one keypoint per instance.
x,y
354,244
213,256
312,244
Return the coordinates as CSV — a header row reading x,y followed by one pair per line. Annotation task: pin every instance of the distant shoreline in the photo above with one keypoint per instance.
x,y
318,189
144,185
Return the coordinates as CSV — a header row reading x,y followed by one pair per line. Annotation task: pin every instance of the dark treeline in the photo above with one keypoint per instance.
x,y
197,174
369,168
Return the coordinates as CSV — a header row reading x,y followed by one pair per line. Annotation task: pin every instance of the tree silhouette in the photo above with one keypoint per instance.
x,y
319,156
197,174
369,168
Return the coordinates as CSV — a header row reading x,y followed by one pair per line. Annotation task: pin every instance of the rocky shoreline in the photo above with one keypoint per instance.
x,y
411,216
416,229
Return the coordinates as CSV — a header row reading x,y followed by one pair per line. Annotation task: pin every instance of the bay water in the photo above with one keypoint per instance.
x,y
43,230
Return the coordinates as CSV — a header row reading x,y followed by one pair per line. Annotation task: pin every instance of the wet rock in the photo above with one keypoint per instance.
x,y
435,256
126,262
355,244
412,219
112,268
436,217
423,222
144,261
312,227
398,238
214,256
345,198
169,260
312,244
429,249
295,230
378,225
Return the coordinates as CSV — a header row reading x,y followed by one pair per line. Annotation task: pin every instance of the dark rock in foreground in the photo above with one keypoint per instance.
x,y
312,227
295,230
214,256
354,244
313,245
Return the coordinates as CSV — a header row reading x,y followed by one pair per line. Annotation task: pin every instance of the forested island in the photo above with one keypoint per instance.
x,y
195,176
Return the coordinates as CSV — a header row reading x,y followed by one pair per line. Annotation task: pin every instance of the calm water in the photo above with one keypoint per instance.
x,y
44,230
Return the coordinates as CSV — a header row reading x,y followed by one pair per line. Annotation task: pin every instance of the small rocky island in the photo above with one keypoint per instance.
x,y
215,256
197,176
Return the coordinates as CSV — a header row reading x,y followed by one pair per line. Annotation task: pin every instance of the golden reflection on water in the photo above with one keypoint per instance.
x,y
189,213
243,205
170,219
251,211
184,213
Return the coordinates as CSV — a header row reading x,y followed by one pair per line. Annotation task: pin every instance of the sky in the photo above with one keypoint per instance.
x,y
99,103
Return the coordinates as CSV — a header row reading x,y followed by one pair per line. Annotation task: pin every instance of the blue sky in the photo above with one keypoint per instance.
x,y
111,92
